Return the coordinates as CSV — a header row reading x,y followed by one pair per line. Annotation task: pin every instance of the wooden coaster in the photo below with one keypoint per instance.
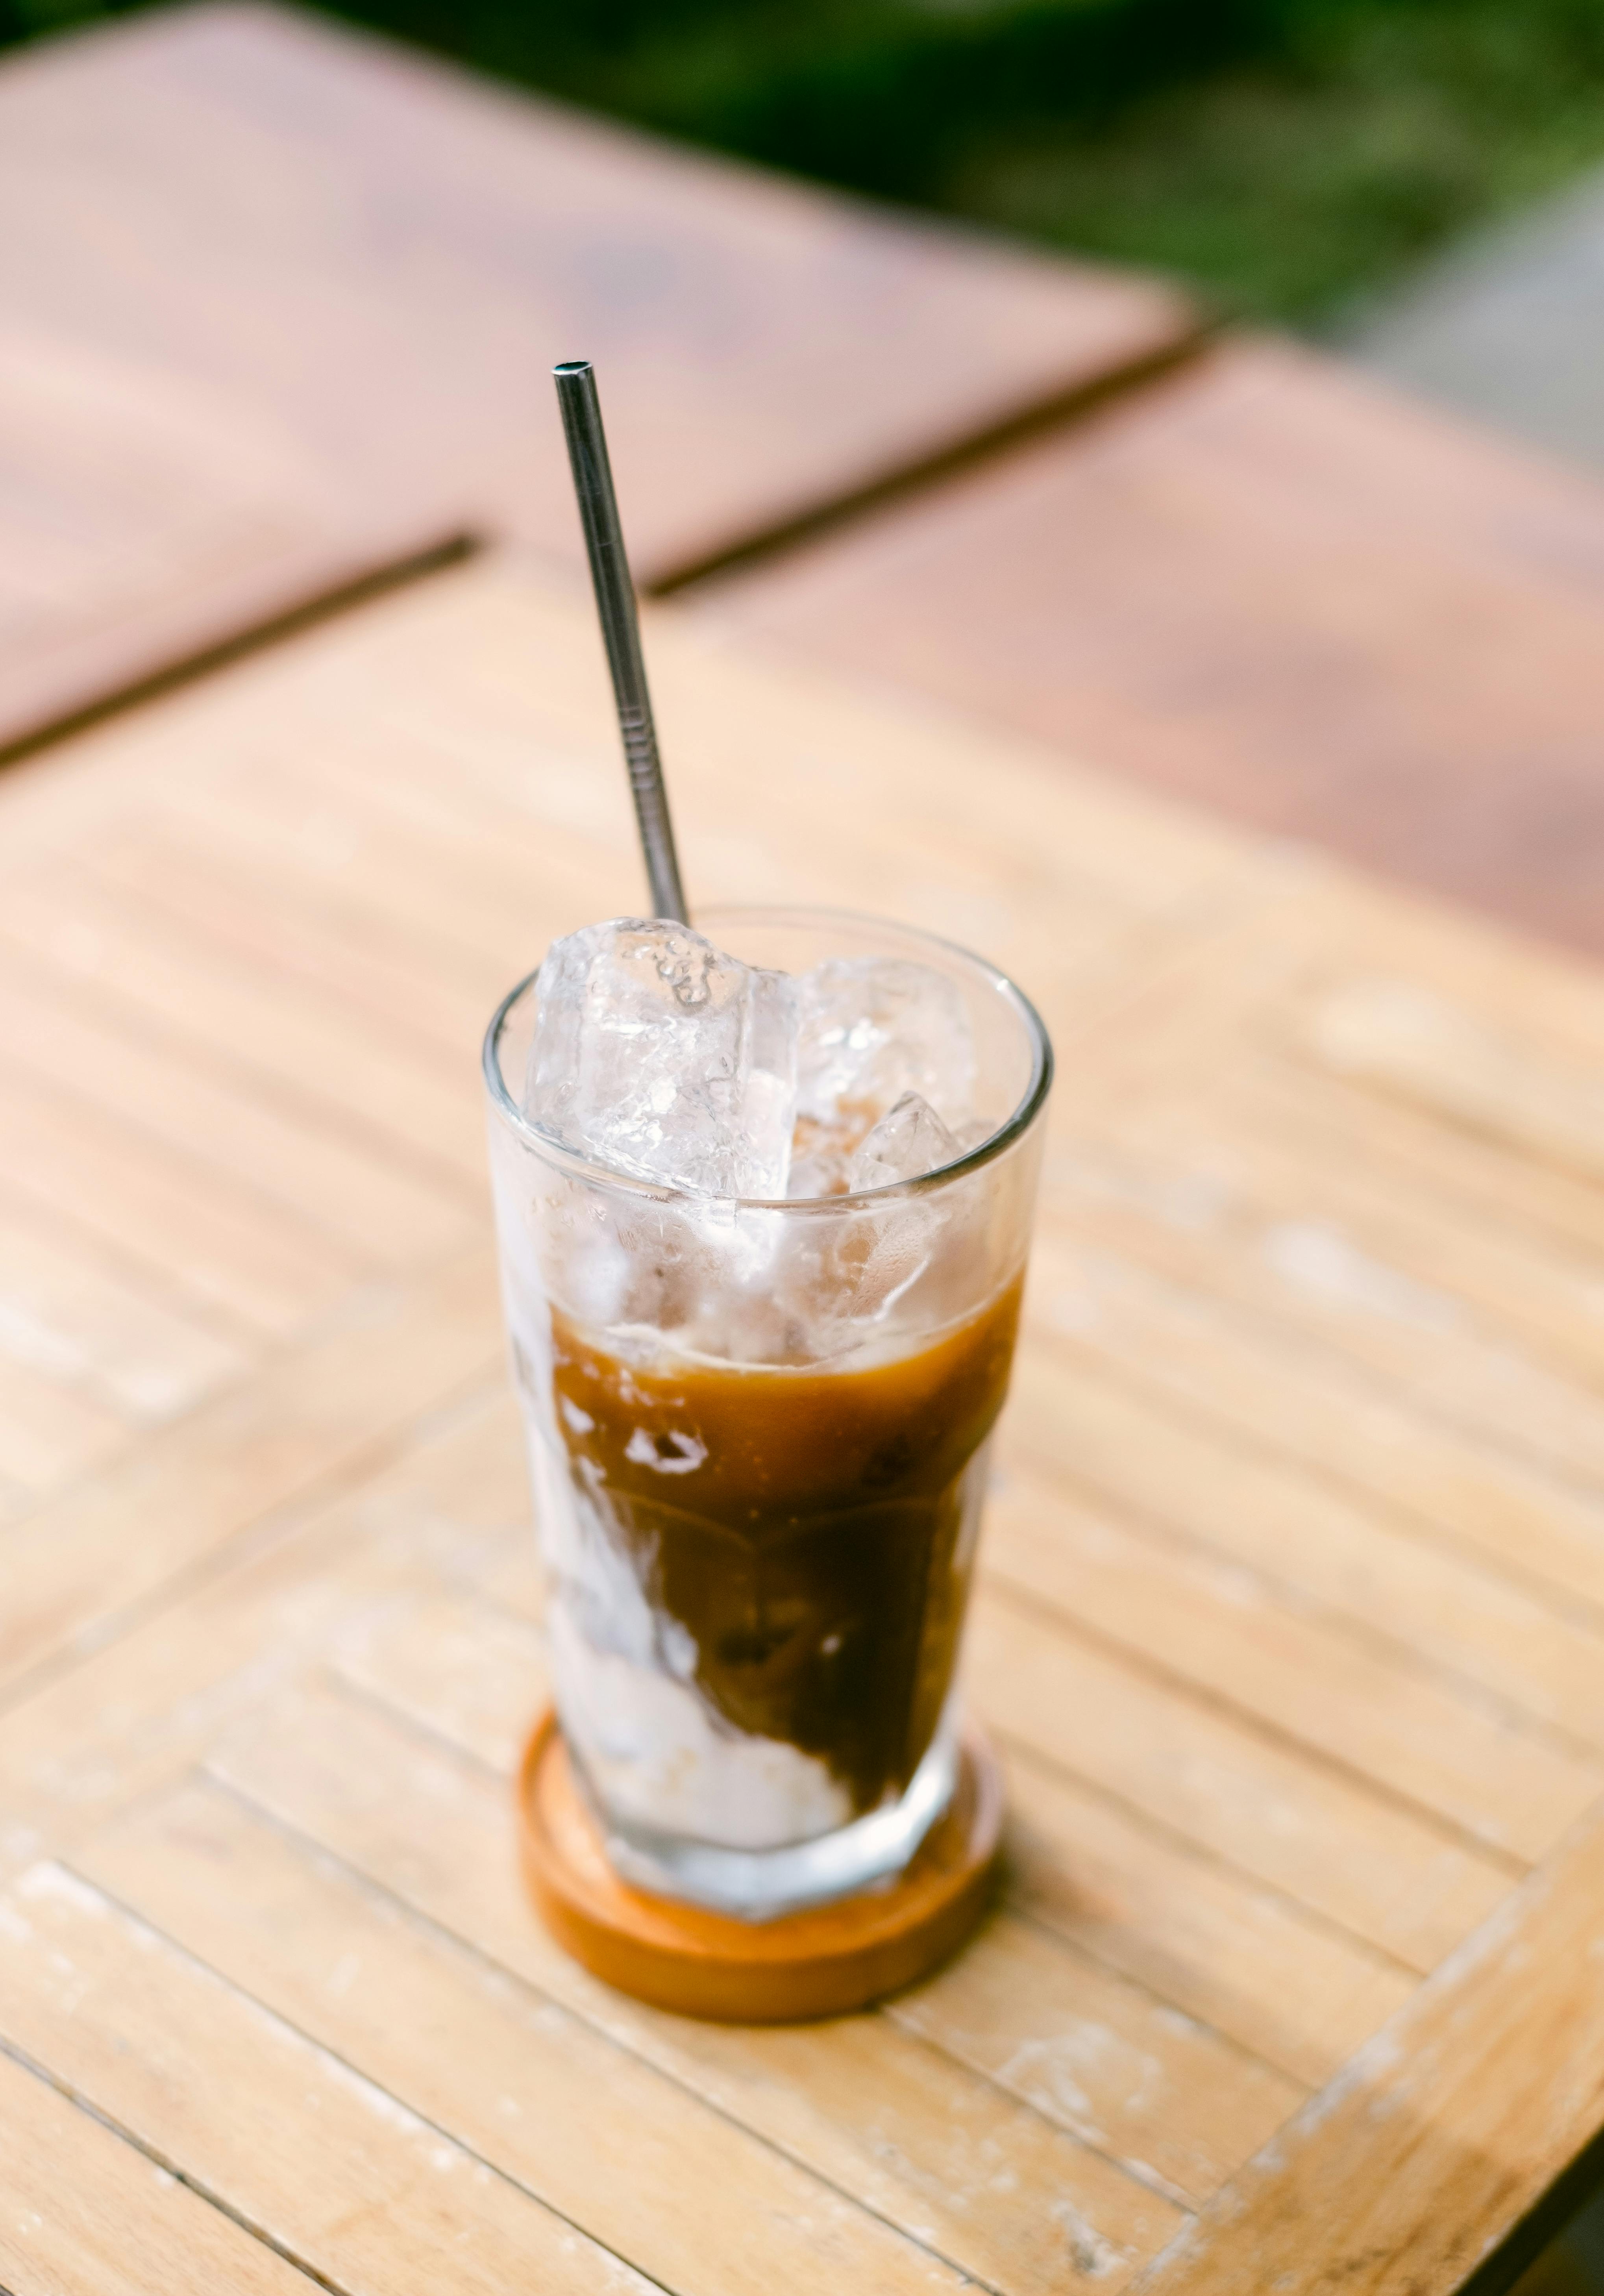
x,y
817,1964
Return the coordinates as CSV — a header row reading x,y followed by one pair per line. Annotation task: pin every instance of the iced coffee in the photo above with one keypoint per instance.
x,y
763,1194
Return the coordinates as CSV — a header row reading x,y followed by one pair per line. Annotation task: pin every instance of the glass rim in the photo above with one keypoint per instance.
x,y
1013,1126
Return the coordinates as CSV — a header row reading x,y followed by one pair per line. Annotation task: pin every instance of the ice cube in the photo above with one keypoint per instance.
x,y
909,1139
821,1156
872,1028
656,1054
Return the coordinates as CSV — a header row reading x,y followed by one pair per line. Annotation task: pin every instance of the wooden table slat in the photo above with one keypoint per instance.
x,y
418,1827
204,1238
1184,1425
1383,1874
48,1433
280,299
1153,2083
1276,588
84,2213
1433,1743
70,1313
194,1488
282,1920
379,1214
1474,2088
254,1024
1252,1964
151,2030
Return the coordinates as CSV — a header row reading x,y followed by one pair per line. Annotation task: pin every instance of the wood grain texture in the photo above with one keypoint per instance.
x,y
1251,1964
68,1314
530,2084
84,2213
149,514
1381,1873
196,198
999,2187
239,1460
1443,2129
1274,587
1289,1621
112,1715
145,2035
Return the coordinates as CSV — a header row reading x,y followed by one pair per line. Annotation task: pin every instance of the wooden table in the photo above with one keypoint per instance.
x,y
278,306
1291,1616
1272,585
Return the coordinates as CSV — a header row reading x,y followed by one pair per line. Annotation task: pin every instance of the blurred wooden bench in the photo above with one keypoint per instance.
x,y
1274,586
278,305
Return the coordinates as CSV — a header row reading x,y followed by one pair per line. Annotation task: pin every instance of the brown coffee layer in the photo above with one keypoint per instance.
x,y
804,1526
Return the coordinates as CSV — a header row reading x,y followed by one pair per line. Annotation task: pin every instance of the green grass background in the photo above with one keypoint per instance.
x,y
1286,156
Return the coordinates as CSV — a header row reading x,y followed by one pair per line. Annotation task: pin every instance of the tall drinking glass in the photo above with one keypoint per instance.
x,y
758,1435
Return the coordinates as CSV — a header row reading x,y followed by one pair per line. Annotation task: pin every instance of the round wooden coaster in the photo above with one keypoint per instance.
x,y
817,1964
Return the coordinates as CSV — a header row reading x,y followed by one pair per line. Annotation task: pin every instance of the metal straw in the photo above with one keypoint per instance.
x,y
620,629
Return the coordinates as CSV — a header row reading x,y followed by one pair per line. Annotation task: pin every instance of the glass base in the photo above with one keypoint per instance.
x,y
760,1885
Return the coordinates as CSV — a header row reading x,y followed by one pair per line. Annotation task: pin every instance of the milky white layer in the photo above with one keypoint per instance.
x,y
657,1759
652,1749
